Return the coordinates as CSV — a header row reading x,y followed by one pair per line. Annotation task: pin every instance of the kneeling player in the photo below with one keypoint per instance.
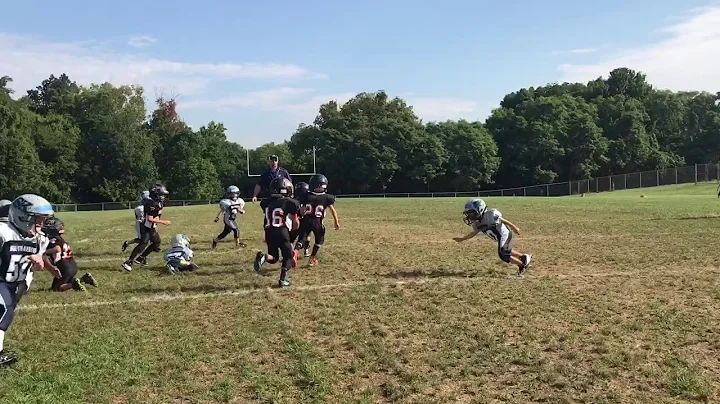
x,y
491,222
280,218
178,257
59,257
230,207
315,205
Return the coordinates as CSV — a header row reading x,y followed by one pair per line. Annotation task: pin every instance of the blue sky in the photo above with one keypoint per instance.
x,y
455,60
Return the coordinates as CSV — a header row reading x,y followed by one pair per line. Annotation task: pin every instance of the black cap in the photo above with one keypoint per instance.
x,y
273,157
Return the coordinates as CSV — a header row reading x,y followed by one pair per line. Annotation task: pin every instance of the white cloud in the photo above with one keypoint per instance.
x,y
29,60
303,106
141,41
440,109
299,103
268,99
689,59
576,51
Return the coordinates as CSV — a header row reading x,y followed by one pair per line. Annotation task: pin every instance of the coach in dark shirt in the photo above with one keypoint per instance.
x,y
275,171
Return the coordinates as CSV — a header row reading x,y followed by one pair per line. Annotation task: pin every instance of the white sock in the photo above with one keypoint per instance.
x,y
2,339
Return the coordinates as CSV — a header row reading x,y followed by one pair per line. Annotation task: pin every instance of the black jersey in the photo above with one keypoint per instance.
x,y
152,208
279,212
62,259
314,205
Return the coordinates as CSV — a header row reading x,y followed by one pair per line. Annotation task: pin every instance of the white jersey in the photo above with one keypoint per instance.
x,y
491,225
139,213
179,253
231,209
15,250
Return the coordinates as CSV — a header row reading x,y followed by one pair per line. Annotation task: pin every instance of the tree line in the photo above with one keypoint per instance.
x,y
97,143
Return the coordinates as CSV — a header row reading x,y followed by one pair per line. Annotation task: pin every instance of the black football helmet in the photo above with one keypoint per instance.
x,y
301,188
281,186
318,181
53,227
158,193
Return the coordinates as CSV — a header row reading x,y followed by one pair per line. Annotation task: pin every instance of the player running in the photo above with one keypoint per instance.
x,y
59,258
150,238
178,257
230,207
139,217
302,188
491,222
22,245
280,219
314,206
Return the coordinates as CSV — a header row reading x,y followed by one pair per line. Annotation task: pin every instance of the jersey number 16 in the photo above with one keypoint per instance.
x,y
274,218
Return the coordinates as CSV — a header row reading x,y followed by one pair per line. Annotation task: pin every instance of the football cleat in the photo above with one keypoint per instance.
x,y
76,285
7,358
88,279
259,261
127,266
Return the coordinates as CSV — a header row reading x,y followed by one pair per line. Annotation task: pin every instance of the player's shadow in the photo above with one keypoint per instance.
x,y
99,253
197,289
225,271
438,273
702,217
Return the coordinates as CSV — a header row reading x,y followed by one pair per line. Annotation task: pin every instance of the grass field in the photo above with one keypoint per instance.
x,y
622,305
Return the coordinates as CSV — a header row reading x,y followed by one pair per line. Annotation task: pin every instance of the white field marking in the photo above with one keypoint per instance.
x,y
448,239
223,251
347,285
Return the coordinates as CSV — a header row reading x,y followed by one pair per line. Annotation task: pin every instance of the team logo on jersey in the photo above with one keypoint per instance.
x,y
22,204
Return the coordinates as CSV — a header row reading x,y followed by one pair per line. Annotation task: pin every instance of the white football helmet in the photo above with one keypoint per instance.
x,y
474,209
180,240
232,192
28,213
144,195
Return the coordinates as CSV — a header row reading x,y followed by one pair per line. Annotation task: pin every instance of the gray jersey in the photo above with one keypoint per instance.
x,y
139,213
179,254
230,210
491,225
14,252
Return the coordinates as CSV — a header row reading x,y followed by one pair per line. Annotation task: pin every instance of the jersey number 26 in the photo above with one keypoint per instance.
x,y
318,212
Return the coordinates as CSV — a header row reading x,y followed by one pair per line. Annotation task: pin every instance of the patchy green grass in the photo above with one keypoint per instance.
x,y
702,190
622,305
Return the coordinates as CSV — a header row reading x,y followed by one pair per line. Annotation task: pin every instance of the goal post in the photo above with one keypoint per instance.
x,y
314,167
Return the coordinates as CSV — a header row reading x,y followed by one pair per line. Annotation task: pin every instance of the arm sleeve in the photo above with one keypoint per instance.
x,y
291,208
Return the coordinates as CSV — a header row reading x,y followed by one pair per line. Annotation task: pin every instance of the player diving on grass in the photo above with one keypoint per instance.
x,y
492,224
280,219
139,217
178,258
230,207
314,206
150,238
59,258
22,245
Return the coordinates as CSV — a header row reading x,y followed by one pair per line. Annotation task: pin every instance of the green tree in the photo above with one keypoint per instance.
x,y
115,154
472,155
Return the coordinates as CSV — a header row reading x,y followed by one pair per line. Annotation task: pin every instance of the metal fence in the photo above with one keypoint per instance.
x,y
645,179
